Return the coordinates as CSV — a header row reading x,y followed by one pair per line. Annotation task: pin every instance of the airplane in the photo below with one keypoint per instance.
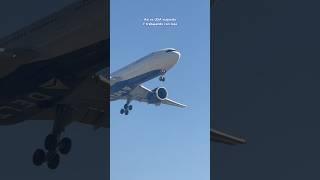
x,y
224,138
48,71
125,84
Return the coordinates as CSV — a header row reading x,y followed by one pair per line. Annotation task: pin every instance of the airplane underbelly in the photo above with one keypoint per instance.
x,y
37,86
122,89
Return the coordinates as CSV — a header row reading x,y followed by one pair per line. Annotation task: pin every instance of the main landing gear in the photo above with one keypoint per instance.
x,y
53,145
126,108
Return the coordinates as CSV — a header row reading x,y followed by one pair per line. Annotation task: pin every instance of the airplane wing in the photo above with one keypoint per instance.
x,y
32,91
221,137
88,102
142,94
173,103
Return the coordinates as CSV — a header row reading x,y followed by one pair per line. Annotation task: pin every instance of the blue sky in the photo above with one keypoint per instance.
x,y
163,142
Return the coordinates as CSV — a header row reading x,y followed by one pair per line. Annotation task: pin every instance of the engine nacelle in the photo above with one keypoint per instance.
x,y
161,93
157,95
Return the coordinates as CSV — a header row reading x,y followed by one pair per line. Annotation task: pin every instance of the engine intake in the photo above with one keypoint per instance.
x,y
157,95
161,93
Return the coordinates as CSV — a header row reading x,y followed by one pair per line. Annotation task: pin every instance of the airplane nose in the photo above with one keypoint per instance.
x,y
176,56
171,57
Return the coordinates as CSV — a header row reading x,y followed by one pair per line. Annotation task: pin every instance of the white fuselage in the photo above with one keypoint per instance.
x,y
159,60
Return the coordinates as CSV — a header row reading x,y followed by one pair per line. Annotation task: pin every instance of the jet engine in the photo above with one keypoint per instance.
x,y
161,93
157,95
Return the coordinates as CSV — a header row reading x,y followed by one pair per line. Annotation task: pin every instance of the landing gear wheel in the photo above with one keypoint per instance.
x,y
121,111
130,107
125,106
51,142
53,159
65,145
161,78
39,157
126,112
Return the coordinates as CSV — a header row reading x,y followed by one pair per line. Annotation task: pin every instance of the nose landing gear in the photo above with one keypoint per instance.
x,y
162,78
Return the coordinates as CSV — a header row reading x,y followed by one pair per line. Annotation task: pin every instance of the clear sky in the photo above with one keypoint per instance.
x,y
163,142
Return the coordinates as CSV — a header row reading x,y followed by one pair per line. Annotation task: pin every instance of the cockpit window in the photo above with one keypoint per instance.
x,y
170,50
